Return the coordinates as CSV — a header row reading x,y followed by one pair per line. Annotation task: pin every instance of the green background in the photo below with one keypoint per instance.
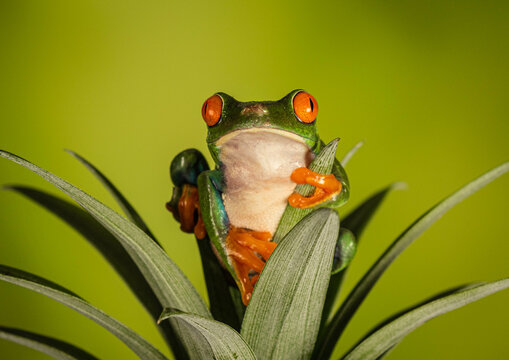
x,y
122,83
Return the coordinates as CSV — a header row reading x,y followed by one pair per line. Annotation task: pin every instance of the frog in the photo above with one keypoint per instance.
x,y
261,151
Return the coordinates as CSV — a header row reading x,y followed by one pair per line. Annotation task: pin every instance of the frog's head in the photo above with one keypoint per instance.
x,y
293,116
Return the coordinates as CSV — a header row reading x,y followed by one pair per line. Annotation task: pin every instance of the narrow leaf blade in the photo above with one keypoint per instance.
x,y
210,339
110,249
356,221
99,237
283,317
170,285
391,334
349,155
221,298
55,348
126,206
364,286
35,283
438,296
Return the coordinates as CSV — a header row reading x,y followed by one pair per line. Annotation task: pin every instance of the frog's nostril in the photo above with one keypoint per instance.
x,y
255,109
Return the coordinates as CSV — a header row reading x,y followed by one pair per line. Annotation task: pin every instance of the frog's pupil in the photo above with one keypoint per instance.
x,y
311,103
205,110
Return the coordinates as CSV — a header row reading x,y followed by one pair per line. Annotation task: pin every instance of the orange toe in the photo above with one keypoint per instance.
x,y
326,187
244,248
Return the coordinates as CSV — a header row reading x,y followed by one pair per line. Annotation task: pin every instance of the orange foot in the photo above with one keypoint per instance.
x,y
242,246
326,187
188,212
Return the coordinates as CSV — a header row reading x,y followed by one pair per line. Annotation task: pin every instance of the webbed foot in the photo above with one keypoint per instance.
x,y
185,207
244,246
327,187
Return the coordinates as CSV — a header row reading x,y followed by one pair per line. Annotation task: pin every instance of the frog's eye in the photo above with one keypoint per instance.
x,y
305,107
211,110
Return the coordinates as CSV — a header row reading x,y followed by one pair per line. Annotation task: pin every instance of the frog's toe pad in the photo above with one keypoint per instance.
x,y
327,187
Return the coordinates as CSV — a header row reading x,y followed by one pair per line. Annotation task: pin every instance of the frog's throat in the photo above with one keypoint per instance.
x,y
257,166
288,134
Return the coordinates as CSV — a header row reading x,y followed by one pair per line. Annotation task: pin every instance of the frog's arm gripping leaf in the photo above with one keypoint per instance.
x,y
324,163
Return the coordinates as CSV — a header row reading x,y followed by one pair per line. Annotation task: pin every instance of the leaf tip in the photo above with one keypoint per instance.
x,y
167,313
72,153
399,185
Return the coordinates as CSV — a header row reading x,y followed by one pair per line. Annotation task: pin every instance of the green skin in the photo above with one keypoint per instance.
x,y
190,167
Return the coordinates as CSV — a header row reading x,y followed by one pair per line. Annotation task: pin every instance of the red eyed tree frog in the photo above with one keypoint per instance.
x,y
261,150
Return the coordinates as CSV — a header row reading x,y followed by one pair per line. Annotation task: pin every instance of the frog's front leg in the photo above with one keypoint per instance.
x,y
184,204
331,190
239,249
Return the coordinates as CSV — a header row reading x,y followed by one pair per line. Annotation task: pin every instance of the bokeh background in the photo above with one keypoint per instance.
x,y
122,83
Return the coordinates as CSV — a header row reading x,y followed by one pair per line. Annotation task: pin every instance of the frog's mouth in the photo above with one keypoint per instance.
x,y
287,134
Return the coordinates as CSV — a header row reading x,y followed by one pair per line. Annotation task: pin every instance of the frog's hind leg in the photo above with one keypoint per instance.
x,y
244,246
241,251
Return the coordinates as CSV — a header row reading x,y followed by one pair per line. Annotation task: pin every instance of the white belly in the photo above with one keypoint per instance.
x,y
257,165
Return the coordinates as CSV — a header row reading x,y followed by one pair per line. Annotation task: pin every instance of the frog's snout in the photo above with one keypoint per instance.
x,y
254,109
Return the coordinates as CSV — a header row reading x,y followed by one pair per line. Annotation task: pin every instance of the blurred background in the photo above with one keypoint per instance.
x,y
425,84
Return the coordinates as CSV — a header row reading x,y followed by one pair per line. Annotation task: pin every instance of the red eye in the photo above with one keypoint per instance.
x,y
211,110
305,107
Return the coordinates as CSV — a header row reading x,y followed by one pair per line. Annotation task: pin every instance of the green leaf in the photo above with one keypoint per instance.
x,y
391,334
134,341
221,298
283,316
351,153
440,295
112,251
210,339
127,208
364,286
356,221
57,349
170,285
322,164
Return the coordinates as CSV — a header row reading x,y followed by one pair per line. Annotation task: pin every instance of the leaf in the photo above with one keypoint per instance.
x,y
391,334
128,209
364,286
221,299
440,295
134,341
323,164
356,221
283,317
351,153
210,339
50,346
170,285
112,251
